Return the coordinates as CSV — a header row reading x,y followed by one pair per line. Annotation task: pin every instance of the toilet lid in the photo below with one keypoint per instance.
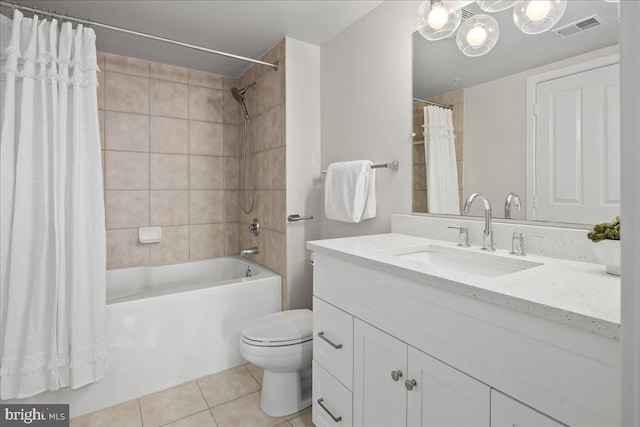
x,y
285,326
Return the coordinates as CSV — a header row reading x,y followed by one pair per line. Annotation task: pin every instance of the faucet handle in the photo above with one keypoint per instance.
x,y
517,243
463,237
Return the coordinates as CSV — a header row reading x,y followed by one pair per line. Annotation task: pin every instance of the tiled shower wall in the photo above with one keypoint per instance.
x,y
170,141
419,167
172,158
267,108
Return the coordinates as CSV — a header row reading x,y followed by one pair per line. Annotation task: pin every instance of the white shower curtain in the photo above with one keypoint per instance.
x,y
442,167
52,231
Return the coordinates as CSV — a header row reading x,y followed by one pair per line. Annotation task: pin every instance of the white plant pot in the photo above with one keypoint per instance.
x,y
607,252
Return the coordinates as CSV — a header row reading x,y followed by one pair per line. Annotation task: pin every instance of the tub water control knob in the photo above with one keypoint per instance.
x,y
254,227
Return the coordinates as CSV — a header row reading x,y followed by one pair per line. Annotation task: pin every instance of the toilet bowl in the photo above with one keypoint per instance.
x,y
282,344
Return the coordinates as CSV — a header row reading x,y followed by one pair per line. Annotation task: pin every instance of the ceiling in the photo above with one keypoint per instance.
x,y
246,28
437,64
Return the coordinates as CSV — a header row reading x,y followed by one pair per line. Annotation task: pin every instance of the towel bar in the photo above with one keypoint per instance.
x,y
391,165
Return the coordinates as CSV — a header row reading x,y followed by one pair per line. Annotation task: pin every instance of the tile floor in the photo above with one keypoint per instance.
x,y
229,398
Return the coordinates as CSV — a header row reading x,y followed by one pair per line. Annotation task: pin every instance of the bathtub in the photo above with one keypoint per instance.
x,y
170,324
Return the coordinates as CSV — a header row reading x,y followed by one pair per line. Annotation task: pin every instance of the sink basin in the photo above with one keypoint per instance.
x,y
480,264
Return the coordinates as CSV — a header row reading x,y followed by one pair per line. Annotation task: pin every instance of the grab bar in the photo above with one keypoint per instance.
x,y
296,218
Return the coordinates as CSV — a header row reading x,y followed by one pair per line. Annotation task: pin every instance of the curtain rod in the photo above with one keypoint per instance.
x,y
448,107
135,33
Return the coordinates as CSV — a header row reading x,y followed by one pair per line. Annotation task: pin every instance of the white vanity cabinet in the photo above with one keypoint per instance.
x,y
473,363
397,385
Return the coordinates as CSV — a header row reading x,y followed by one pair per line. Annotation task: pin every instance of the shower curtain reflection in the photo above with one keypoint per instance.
x,y
441,163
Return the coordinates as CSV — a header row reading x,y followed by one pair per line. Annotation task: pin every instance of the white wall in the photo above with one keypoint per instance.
x,y
304,192
366,107
630,324
495,129
494,142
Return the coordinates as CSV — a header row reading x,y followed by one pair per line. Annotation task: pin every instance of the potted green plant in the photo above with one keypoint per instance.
x,y
606,247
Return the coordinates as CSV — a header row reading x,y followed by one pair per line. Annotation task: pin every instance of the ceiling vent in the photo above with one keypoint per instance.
x,y
466,14
579,26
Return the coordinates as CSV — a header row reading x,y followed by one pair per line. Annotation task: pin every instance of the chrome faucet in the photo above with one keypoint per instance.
x,y
487,238
512,199
249,251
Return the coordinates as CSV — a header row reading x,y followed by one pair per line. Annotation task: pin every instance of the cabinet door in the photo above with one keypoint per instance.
x,y
378,399
444,396
508,412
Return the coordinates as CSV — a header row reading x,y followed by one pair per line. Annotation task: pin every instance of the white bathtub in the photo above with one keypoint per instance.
x,y
167,325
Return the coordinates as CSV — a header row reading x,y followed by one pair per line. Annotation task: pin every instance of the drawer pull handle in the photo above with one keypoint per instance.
x,y
410,384
337,420
331,343
396,375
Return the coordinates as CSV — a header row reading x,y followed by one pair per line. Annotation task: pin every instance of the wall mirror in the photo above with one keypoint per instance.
x,y
537,117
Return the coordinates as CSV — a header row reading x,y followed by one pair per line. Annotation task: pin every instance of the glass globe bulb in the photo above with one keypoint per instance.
x,y
538,9
495,5
438,16
538,16
437,20
478,35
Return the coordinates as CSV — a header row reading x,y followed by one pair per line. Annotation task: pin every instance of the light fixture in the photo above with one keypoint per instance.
x,y
478,35
495,5
440,19
538,16
437,20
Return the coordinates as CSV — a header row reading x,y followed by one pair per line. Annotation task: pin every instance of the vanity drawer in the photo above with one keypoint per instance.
x,y
332,402
333,341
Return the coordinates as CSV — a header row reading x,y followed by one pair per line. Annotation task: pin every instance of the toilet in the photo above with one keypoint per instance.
x,y
282,344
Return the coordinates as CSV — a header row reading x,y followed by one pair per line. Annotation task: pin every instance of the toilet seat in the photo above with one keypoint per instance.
x,y
282,329
275,343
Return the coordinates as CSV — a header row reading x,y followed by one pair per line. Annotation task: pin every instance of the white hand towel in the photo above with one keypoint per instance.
x,y
350,191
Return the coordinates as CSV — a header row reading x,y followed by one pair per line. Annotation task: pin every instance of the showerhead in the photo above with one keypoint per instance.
x,y
238,95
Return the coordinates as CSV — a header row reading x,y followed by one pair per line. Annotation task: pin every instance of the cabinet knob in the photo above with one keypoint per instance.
x,y
396,375
410,384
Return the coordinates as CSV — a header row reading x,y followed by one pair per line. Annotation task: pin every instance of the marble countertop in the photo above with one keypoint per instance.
x,y
577,294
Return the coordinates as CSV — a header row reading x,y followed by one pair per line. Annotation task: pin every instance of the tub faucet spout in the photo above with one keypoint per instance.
x,y
249,251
